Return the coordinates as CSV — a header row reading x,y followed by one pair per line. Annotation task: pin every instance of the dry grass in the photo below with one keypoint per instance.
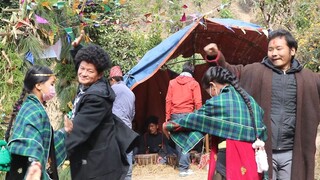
x,y
165,172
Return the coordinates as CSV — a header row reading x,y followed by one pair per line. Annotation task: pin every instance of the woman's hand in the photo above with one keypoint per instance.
x,y
211,49
34,171
68,125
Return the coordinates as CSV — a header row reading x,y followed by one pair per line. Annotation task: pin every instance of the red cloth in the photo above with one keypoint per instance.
x,y
240,161
213,158
115,71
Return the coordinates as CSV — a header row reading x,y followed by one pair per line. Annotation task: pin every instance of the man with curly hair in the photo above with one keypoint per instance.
x,y
97,147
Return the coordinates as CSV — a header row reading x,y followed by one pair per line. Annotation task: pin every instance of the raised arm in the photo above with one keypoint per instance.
x,y
215,57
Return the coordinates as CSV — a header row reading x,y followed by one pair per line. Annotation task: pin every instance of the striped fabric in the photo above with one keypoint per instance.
x,y
226,116
32,134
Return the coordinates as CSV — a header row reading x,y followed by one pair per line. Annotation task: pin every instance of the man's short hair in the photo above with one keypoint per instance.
x,y
153,120
188,67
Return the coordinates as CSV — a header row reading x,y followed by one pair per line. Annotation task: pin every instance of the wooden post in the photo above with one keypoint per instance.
x,y
207,143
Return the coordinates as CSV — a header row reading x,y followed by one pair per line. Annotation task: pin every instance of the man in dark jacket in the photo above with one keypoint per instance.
x,y
289,95
96,148
153,140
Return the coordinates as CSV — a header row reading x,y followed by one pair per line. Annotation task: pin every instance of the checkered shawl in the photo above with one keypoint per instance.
x,y
32,133
226,116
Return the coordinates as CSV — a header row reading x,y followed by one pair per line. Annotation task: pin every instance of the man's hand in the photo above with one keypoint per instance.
x,y
68,125
77,41
165,131
211,49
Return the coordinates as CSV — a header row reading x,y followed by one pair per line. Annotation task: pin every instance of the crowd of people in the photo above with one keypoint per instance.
x,y
273,103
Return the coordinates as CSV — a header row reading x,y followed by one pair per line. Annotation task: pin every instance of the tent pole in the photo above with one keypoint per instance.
x,y
207,143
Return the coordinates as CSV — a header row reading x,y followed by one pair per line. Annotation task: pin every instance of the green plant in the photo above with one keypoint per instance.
x,y
12,70
301,19
66,85
309,50
225,13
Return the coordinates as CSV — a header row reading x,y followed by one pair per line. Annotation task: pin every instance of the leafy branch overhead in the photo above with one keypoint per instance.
x,y
41,32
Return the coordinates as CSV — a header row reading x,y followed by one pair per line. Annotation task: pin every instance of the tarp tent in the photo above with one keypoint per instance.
x,y
240,42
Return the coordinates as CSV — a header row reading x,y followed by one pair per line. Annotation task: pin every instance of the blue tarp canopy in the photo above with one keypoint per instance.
x,y
241,43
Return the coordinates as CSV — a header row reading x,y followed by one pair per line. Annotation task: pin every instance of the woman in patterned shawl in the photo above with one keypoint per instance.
x,y
33,143
234,120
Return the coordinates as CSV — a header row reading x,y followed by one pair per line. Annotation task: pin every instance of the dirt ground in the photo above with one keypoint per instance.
x,y
165,172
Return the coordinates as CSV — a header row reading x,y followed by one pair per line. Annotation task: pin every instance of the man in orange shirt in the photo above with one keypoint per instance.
x,y
183,97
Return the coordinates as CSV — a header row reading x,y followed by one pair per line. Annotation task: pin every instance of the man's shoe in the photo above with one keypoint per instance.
x,y
189,172
183,174
186,173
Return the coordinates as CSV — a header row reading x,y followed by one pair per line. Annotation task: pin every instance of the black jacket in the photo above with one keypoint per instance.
x,y
283,105
95,147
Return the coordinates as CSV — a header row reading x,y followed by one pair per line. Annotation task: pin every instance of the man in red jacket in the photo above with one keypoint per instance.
x,y
183,97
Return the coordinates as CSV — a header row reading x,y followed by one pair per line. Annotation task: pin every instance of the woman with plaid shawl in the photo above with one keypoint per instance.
x,y
230,115
33,144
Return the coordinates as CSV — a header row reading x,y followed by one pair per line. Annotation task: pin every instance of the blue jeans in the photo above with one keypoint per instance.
x,y
129,158
184,159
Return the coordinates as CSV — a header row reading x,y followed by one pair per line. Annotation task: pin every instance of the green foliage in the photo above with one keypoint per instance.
x,y
225,13
309,49
125,47
30,43
66,85
302,20
177,63
11,79
6,15
274,13
119,44
198,4
2,127
307,31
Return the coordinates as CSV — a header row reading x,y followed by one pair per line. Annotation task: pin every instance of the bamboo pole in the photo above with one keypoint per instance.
x,y
207,143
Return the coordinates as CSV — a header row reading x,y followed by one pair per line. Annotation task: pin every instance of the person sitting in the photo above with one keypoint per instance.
x,y
153,140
